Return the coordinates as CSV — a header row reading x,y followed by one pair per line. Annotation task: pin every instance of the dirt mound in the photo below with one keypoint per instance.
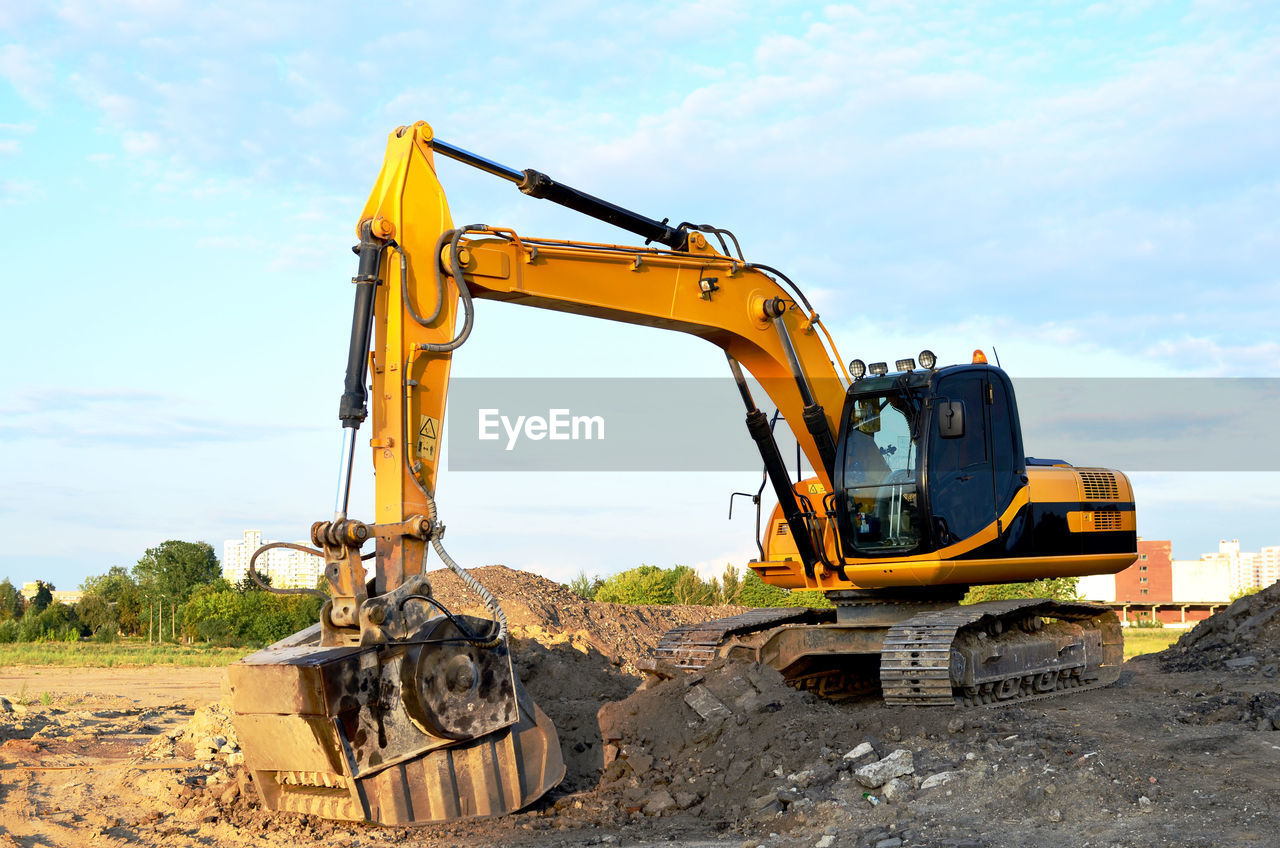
x,y
1243,638
572,655
540,609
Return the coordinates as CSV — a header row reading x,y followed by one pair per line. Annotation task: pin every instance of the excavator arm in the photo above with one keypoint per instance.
x,y
431,272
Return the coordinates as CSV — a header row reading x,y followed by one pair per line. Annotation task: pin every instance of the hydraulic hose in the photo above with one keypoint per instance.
x,y
467,579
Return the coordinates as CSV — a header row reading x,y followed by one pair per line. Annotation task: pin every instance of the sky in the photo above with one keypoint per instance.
x,y
1092,188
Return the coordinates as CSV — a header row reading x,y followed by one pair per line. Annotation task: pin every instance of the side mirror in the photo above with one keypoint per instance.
x,y
950,415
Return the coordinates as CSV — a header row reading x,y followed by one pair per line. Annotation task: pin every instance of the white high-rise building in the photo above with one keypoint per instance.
x,y
1268,565
288,569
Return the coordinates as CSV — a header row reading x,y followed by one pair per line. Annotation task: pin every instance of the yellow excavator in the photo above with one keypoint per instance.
x,y
395,710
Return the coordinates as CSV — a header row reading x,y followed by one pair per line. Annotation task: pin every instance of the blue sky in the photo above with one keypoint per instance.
x,y
1093,188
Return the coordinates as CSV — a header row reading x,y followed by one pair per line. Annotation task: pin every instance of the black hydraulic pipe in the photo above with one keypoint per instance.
x,y
351,409
477,161
776,469
815,417
537,184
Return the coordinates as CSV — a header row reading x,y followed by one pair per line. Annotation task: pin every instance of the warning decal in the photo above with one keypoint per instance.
x,y
428,437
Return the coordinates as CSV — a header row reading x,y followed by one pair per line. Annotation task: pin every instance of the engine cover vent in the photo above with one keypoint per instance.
x,y
1099,486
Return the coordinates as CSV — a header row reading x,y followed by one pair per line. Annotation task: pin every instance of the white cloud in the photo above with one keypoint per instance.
x,y
29,72
140,143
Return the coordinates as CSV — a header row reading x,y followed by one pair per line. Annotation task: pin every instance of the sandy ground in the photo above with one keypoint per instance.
x,y
158,684
1182,751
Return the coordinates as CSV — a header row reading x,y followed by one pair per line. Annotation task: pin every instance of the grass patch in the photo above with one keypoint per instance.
x,y
1149,640
124,653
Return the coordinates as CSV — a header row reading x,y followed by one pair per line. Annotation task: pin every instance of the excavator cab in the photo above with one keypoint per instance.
x,y
926,459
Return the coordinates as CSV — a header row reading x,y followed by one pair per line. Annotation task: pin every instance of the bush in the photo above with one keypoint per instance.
x,y
9,631
585,587
107,633
1055,588
649,584
223,616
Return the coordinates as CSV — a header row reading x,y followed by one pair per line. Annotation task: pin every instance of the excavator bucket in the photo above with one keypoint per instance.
x,y
418,731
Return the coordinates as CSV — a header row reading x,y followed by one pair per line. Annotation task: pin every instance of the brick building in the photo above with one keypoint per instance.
x,y
1150,578
1176,592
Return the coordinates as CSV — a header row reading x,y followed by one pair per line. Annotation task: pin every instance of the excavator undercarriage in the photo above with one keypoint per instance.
x,y
917,651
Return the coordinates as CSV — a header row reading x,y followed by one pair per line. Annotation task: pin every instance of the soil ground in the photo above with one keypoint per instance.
x,y
1182,751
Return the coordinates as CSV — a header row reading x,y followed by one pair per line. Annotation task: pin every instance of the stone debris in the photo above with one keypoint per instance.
x,y
895,790
877,774
861,752
939,779
1242,637
705,704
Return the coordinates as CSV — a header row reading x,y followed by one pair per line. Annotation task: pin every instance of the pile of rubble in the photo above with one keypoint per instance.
x,y
1244,638
545,611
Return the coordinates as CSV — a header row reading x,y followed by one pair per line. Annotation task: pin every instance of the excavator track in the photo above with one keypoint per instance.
x,y
999,652
692,646
991,653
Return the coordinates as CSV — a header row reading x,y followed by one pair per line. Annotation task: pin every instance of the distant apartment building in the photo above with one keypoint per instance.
x,y
287,569
1182,591
60,596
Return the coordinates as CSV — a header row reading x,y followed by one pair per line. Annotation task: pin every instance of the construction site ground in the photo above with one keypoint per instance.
x,y
1183,751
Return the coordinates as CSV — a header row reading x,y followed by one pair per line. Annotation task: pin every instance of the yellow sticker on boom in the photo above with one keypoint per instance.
x,y
816,489
428,438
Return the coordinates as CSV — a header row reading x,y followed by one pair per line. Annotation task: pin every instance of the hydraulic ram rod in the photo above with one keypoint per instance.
x,y
537,184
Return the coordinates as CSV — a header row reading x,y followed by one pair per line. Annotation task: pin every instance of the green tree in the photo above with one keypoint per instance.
x,y
729,586
42,598
57,622
174,569
96,615
585,587
121,592
645,584
11,601
1235,596
1055,588
757,593
689,588
220,614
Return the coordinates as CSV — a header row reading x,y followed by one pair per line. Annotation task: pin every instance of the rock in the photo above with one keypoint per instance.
x,y
5,706
1055,815
1242,663
705,704
640,763
880,772
895,789
956,725
938,779
736,771
825,842
891,842
657,802
893,734
229,795
862,751
1144,804
685,800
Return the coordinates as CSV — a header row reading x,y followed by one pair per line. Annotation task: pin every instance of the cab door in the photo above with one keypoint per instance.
x,y
960,467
